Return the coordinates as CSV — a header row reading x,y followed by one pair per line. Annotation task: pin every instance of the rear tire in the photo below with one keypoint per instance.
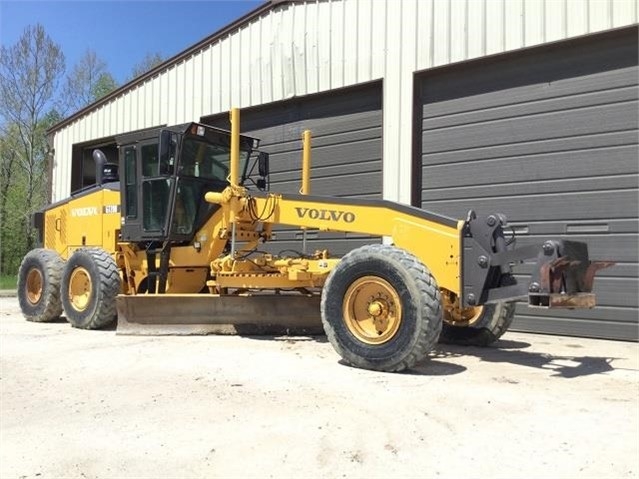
x,y
381,309
39,280
495,320
90,283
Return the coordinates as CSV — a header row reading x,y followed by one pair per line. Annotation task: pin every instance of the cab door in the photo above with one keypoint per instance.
x,y
147,192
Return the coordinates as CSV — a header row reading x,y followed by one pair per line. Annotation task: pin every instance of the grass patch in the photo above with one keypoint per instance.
x,y
8,282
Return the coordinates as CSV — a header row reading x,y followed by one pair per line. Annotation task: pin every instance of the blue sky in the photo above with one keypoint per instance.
x,y
121,33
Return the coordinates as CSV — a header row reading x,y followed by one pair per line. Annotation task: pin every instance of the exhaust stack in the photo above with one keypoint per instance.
x,y
100,160
104,172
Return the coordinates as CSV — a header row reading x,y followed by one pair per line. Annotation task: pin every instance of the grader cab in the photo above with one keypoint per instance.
x,y
173,246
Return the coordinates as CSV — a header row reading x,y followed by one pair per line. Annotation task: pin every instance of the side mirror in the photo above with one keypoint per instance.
x,y
262,164
261,184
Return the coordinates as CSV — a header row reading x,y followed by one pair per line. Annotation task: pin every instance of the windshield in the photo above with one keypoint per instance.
x,y
201,159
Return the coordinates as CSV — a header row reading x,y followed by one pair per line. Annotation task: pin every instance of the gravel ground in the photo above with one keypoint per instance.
x,y
91,404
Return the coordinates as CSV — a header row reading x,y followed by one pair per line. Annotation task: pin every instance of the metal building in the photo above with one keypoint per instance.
x,y
528,107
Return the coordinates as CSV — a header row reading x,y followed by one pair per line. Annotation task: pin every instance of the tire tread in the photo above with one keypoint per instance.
x,y
51,266
109,286
429,298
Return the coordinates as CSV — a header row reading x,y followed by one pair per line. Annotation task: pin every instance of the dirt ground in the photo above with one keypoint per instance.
x,y
92,404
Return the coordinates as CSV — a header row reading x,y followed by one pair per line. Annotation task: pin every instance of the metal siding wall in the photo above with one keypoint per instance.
x,y
132,111
457,31
378,43
149,101
207,93
308,47
555,20
234,71
324,59
65,170
216,79
189,95
113,106
245,67
58,166
265,71
100,119
513,25
492,28
534,27
550,138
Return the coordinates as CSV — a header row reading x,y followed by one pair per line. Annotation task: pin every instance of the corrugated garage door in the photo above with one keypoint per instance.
x,y
347,153
547,136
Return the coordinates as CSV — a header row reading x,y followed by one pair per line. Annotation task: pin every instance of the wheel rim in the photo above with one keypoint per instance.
x,y
372,310
80,288
457,316
34,285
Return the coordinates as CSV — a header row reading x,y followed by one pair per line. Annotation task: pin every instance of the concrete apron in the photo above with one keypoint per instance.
x,y
193,314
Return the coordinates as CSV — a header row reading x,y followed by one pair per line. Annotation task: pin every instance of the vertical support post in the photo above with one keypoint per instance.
x,y
306,174
235,146
234,166
306,163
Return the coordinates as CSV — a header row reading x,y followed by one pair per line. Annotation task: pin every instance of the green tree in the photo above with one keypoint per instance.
x,y
149,62
8,159
104,85
87,82
30,72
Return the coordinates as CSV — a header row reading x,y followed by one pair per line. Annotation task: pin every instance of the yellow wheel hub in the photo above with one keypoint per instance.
x,y
457,316
34,285
372,310
80,288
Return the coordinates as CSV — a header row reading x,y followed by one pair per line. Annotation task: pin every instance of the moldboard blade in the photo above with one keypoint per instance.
x,y
193,314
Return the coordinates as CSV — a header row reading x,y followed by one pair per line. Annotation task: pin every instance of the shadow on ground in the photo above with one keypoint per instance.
x,y
514,352
434,367
287,339
503,351
63,320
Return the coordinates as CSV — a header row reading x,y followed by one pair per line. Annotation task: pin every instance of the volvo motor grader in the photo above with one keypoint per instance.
x,y
169,239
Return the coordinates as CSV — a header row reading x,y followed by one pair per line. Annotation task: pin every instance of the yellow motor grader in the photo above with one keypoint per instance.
x,y
168,241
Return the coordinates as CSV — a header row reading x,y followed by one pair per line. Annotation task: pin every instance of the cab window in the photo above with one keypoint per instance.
x,y
208,161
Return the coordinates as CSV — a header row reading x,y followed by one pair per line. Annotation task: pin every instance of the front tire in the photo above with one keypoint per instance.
x,y
39,280
90,283
381,309
490,325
